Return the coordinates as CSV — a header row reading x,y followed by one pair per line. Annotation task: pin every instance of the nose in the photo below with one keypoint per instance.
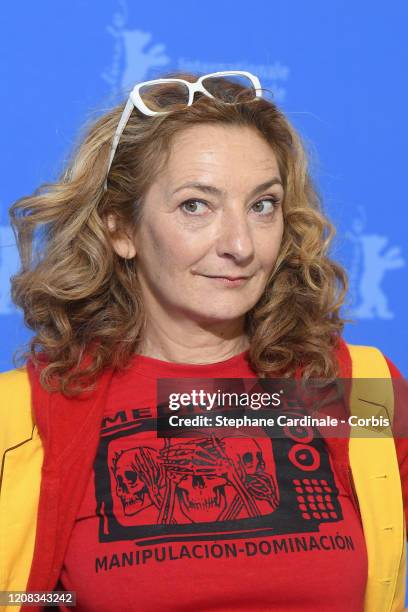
x,y
235,237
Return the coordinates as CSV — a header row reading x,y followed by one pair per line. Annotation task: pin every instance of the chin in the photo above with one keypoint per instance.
x,y
219,315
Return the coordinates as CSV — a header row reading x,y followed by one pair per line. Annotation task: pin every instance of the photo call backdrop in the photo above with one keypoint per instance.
x,y
337,69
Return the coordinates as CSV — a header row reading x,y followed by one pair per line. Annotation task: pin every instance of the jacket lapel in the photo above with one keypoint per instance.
x,y
70,432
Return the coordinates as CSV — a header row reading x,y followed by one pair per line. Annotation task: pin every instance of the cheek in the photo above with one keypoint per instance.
x,y
165,247
269,246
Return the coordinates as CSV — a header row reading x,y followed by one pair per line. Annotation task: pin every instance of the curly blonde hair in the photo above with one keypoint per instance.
x,y
82,300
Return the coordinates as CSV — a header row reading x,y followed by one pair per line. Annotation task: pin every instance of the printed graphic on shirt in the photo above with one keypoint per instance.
x,y
209,486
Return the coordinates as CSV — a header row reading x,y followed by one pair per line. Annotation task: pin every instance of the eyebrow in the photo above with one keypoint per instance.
x,y
215,191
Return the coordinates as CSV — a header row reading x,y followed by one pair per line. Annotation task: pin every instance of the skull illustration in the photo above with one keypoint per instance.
x,y
198,473
138,475
203,474
250,464
202,498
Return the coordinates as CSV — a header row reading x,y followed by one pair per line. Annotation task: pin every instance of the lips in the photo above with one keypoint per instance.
x,y
231,278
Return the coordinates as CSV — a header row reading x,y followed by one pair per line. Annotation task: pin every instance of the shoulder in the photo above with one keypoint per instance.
x,y
366,361
16,422
14,385
13,377
375,379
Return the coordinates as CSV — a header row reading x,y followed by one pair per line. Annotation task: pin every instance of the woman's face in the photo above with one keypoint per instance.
x,y
214,213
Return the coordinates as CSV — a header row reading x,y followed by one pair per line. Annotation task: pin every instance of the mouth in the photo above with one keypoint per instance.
x,y
232,281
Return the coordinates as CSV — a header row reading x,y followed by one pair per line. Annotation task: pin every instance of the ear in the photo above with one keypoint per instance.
x,y
121,240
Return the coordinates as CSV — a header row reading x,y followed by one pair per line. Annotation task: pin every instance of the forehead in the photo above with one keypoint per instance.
x,y
220,152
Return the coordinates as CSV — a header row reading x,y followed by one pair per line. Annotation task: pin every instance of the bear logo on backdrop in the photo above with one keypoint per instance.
x,y
9,264
370,262
132,57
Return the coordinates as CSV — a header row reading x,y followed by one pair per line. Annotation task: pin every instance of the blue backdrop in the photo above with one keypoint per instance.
x,y
338,69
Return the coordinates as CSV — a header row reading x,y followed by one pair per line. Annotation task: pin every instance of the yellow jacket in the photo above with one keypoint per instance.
x,y
373,463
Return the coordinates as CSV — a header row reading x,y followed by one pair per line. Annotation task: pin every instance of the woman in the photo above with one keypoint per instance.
x,y
186,240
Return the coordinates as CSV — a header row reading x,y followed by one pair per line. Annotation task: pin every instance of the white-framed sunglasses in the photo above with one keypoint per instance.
x,y
141,95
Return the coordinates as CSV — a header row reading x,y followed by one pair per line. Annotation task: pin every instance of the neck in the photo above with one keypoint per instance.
x,y
191,342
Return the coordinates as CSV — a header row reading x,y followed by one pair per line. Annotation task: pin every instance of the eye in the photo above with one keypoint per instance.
x,y
260,207
192,207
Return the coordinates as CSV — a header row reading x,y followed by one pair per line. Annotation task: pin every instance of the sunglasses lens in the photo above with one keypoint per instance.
x,y
231,88
163,96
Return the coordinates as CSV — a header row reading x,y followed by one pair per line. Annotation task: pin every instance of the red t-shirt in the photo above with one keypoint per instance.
x,y
286,536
